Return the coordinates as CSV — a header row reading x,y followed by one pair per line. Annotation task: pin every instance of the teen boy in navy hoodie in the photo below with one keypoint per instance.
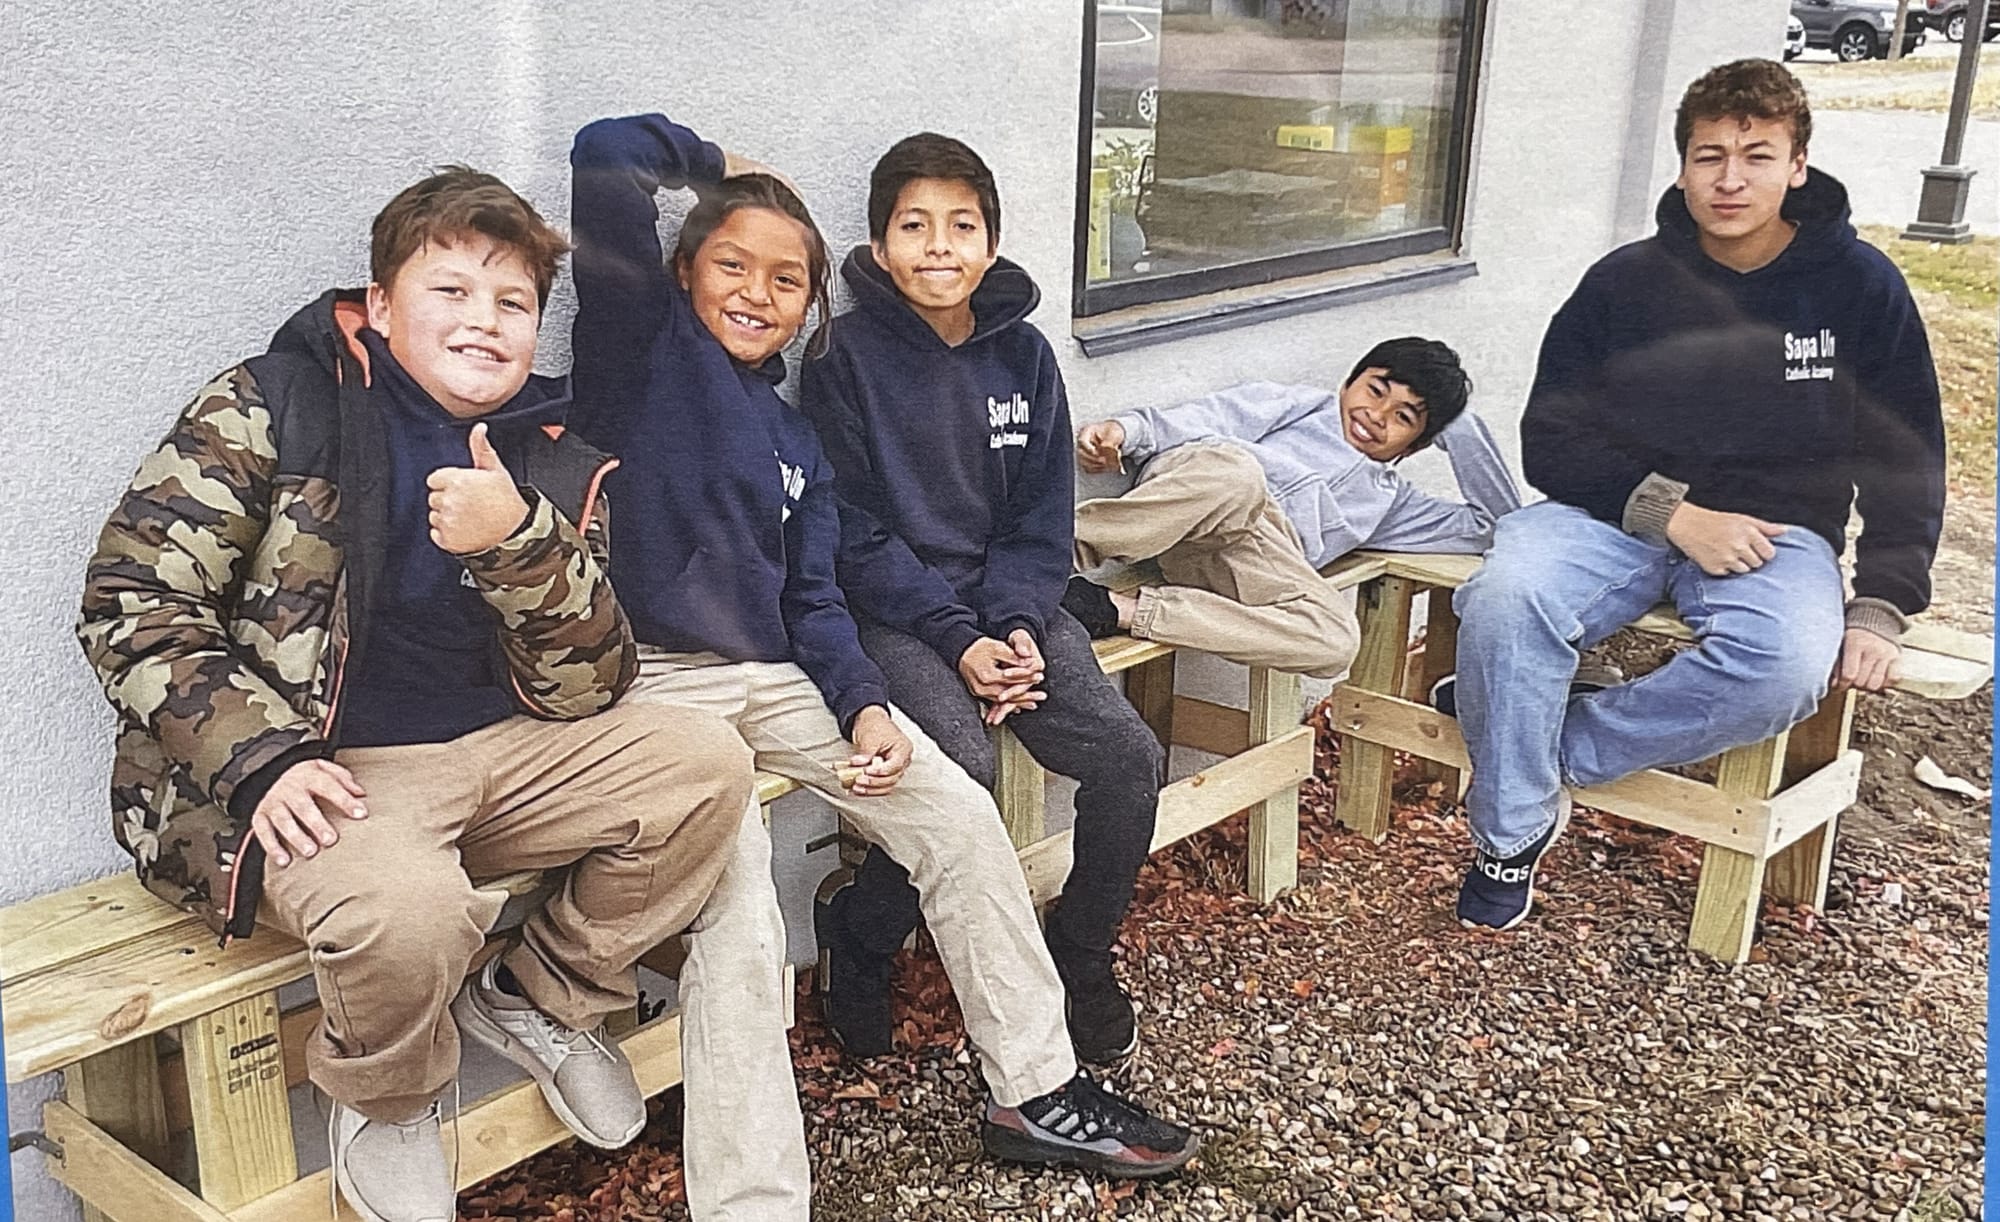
x,y
728,533
944,415
1709,404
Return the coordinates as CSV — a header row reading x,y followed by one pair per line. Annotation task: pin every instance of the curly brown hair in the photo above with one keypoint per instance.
x,y
453,203
1745,89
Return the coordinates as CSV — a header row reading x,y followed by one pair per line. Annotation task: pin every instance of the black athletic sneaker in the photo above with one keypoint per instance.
x,y
1091,604
853,981
1083,1125
1499,891
1444,693
1102,1025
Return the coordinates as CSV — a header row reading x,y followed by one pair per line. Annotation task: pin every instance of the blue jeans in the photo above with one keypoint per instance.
x,y
1559,581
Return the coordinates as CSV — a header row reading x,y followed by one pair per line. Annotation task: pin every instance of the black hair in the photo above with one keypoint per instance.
x,y
1431,370
714,204
929,155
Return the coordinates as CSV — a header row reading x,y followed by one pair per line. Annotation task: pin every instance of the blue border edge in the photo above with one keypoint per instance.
x,y
6,1166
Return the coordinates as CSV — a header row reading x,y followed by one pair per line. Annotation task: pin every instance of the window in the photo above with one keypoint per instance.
x,y
1233,142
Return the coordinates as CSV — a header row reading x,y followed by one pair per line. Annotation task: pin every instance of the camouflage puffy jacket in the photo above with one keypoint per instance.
x,y
229,588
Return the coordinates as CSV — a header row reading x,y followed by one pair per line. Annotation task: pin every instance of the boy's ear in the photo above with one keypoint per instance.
x,y
680,272
881,255
378,308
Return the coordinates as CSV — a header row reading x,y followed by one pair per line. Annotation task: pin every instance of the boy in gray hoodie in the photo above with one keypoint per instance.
x,y
1248,492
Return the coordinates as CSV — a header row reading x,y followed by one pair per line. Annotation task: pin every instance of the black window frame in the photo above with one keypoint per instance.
x,y
1089,301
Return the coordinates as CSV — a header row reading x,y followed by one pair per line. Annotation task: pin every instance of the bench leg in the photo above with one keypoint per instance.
x,y
1019,789
1150,688
1725,904
119,1091
236,1095
1732,882
1274,822
1440,659
1800,872
1366,769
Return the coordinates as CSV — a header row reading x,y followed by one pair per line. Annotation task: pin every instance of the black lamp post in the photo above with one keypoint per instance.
x,y
1941,210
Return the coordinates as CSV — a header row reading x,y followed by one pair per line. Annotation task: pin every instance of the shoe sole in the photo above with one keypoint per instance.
x,y
1014,1146
1562,825
475,1024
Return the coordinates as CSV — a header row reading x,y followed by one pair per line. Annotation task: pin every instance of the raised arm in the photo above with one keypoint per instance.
x,y
1419,522
1246,412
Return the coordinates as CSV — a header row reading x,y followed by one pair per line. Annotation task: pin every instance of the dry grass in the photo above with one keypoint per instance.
x,y
1985,98
1922,83
1958,290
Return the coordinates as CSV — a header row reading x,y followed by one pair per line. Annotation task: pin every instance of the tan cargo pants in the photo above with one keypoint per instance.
x,y
1238,582
640,803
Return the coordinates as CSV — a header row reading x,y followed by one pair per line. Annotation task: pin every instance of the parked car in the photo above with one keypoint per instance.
x,y
1795,38
1128,62
1856,29
1947,17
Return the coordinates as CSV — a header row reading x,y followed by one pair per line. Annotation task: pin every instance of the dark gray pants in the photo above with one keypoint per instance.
x,y
1085,730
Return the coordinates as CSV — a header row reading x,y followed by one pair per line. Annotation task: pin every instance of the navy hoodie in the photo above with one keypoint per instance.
x,y
727,526
956,476
1781,392
432,672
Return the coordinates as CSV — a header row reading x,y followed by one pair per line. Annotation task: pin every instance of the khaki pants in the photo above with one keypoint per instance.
x,y
641,804
745,1141
1238,582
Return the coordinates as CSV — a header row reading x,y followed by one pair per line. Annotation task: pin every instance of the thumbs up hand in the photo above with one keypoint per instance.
x,y
477,507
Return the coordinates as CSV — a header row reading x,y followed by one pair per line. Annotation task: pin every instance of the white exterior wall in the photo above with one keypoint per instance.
x,y
178,177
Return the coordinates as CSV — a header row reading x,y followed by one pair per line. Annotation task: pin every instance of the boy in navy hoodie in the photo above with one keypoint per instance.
x,y
943,413
1709,404
725,564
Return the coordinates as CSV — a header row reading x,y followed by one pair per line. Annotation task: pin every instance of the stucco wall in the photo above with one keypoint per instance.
x,y
177,177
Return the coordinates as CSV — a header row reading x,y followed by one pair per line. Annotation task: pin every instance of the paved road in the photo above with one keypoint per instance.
x,y
1881,156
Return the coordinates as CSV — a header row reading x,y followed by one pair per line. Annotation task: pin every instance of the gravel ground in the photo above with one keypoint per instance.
x,y
1351,1053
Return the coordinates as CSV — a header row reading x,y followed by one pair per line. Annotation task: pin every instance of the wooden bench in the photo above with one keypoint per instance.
x,y
160,1035
1768,819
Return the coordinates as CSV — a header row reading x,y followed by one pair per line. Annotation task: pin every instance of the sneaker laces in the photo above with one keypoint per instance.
x,y
570,1040
1083,1110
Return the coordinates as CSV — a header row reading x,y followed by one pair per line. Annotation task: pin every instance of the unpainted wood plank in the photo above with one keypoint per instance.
x,y
1426,569
1725,904
1207,726
1726,900
771,787
1119,653
1657,799
1019,789
147,985
1367,768
1440,659
115,1181
1799,872
1354,569
236,1097
119,1091
64,926
1755,770
1150,688
1274,821
1190,804
498,1131
1814,801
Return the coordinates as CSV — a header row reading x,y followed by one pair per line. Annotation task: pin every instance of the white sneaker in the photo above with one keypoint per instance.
x,y
391,1172
583,1074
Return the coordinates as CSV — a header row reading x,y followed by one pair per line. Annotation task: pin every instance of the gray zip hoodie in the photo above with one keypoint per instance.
x,y
1338,498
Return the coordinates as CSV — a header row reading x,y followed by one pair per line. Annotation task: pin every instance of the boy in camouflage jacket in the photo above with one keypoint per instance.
x,y
353,617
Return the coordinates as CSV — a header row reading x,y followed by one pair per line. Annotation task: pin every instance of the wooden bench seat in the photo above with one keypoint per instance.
x,y
159,1032
1767,820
